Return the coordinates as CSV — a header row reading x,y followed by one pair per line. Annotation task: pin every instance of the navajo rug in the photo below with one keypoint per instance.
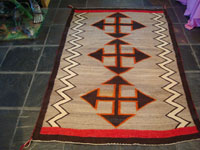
x,y
118,79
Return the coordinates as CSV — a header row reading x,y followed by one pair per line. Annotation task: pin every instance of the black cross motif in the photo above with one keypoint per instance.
x,y
117,25
118,68
116,119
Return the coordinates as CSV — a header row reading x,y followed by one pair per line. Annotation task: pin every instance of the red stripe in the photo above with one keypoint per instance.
x,y
99,11
118,133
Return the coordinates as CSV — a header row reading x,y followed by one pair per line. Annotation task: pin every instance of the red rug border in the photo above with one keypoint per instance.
x,y
118,133
36,133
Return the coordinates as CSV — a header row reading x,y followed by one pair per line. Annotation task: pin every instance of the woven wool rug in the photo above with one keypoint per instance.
x,y
118,79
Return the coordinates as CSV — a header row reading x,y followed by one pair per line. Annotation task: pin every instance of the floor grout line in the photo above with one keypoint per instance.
x,y
55,45
63,146
36,45
177,22
59,4
86,3
189,44
21,111
26,97
22,72
19,108
182,44
195,56
57,24
192,71
176,14
8,50
143,4
193,52
22,127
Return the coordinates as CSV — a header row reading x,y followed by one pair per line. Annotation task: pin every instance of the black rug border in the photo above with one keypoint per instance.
x,y
95,140
182,73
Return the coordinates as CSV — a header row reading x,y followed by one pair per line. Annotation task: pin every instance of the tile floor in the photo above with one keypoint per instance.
x,y
25,67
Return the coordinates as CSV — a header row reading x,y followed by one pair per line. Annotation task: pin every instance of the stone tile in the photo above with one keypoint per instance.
x,y
50,16
129,3
68,146
27,121
28,118
55,34
196,49
188,58
74,3
153,3
90,147
21,59
194,84
54,3
167,147
128,147
37,90
47,146
180,14
175,3
193,35
3,52
6,43
192,145
115,3
172,15
13,89
198,109
153,7
38,41
102,3
48,58
180,37
62,15
21,136
106,147
8,120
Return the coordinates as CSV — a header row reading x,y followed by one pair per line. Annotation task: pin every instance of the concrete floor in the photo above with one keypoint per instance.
x,y
25,67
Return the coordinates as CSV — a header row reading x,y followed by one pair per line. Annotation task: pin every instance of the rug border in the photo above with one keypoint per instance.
x,y
177,51
92,140
50,85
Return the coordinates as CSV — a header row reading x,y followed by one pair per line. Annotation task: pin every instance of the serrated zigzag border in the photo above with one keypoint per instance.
x,y
169,72
70,73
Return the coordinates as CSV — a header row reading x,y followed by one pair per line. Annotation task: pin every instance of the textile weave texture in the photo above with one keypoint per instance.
x,y
118,79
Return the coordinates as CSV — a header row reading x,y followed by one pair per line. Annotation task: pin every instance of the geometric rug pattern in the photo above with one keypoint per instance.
x,y
118,78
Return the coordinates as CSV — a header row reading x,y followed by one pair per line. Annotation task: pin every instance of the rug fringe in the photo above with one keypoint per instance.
x,y
117,144
70,6
26,145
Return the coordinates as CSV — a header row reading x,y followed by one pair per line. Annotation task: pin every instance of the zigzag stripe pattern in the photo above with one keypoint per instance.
x,y
166,76
70,74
